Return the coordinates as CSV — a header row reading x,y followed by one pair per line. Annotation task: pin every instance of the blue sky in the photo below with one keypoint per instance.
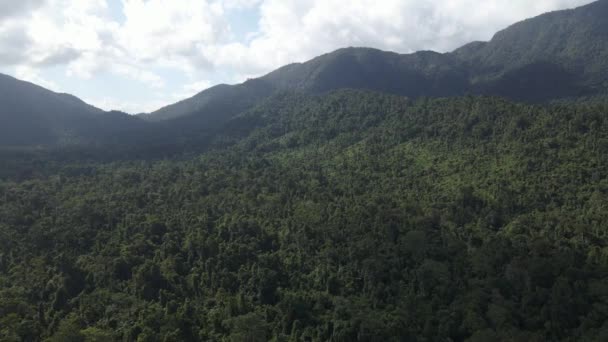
x,y
139,55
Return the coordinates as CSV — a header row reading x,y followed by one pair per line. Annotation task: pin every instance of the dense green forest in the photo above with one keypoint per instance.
x,y
351,216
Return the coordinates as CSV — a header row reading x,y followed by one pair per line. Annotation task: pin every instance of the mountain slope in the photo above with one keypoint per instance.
x,y
569,46
221,100
421,74
424,73
31,115
556,55
576,39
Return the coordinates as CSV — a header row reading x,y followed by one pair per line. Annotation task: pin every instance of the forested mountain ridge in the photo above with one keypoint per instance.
x,y
222,100
576,40
424,73
556,55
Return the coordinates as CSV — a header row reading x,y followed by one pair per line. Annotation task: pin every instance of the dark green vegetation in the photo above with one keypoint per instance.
x,y
290,209
350,216
573,44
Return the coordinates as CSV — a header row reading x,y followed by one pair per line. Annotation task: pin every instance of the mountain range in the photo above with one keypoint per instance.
x,y
554,56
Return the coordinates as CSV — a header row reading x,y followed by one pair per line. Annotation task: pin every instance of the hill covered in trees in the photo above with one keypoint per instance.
x,y
346,216
557,55
441,197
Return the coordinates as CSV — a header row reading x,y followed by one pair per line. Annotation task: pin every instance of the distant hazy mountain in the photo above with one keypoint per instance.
x,y
32,115
555,55
421,74
221,100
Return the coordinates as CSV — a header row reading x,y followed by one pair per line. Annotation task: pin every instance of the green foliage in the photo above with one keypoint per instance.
x,y
68,331
250,327
352,216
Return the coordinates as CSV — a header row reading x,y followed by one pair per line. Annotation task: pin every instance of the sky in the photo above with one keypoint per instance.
x,y
139,55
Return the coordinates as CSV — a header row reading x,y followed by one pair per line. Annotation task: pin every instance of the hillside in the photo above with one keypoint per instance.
x,y
32,116
343,217
553,56
574,40
360,196
558,54
421,74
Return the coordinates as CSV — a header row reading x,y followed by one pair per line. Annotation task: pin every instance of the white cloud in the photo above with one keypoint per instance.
x,y
160,99
64,25
26,73
137,74
13,43
10,8
132,107
239,4
81,35
196,87
188,90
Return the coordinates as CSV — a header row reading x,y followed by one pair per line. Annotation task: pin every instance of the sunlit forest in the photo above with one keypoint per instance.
x,y
350,216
